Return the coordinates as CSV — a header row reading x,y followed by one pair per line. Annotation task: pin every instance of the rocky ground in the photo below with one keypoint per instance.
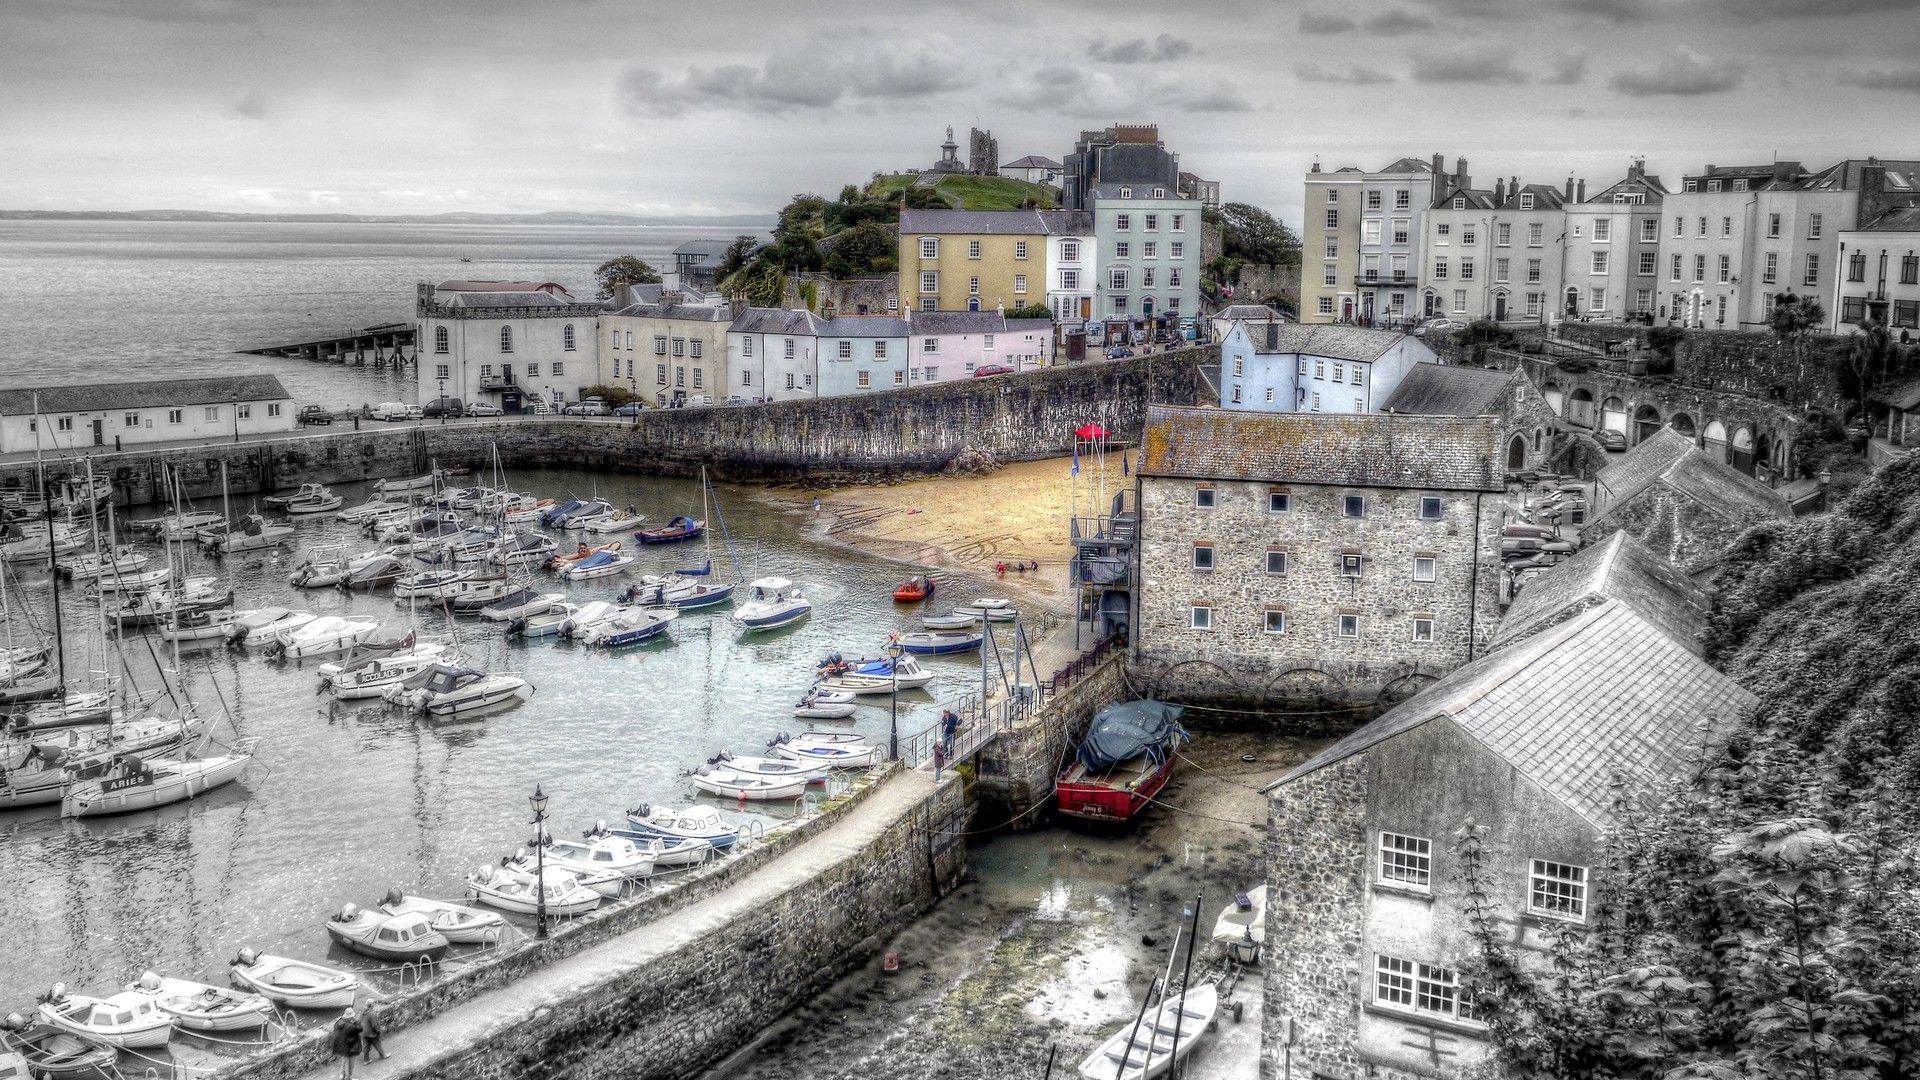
x,y
1049,942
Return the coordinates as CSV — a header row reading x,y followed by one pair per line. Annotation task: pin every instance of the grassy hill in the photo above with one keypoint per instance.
x,y
972,192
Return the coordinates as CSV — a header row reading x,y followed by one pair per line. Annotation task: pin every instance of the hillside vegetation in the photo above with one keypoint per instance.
x,y
972,192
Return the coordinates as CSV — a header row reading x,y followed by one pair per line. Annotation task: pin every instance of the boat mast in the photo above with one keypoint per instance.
x,y
53,558
726,535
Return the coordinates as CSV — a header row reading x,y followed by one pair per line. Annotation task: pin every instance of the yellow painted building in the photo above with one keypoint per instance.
x,y
972,260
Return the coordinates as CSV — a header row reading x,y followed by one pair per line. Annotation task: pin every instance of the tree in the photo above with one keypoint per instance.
x,y
1794,317
1665,343
736,256
864,250
1870,359
1251,235
1034,310
624,270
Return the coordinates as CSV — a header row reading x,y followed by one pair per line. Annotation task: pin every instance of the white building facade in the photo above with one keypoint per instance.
x,y
114,416
1300,367
773,354
516,344
1073,265
1392,202
1879,278
953,345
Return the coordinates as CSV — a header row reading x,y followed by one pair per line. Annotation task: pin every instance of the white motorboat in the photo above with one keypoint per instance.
x,y
73,709
956,621
318,504
450,691
371,932
516,891
522,513
215,625
576,513
991,608
34,544
198,1006
372,508
1242,926
772,602
597,565
527,606
941,642
458,923
830,749
193,594
773,767
475,594
1146,1047
323,636
702,823
132,581
326,567
254,534
629,626
430,584
409,483
587,616
825,705
663,850
261,625
522,549
176,525
305,491
373,570
547,624
904,672
373,676
126,1021
731,784
615,521
608,883
294,983
87,566
143,785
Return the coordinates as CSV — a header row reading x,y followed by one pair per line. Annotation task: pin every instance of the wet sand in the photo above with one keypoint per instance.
x,y
1050,941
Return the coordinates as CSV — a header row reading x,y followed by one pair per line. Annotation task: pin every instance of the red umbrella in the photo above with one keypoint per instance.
x,y
1090,431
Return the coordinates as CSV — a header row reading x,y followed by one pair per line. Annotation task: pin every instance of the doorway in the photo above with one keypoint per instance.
x,y
1500,307
99,432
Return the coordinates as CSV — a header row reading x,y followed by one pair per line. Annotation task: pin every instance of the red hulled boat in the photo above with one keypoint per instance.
x,y
913,590
1124,761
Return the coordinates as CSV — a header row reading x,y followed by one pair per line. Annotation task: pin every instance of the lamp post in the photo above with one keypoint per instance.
x,y
236,419
539,801
443,400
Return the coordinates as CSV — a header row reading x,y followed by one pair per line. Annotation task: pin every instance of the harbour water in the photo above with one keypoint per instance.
x,y
96,301
348,800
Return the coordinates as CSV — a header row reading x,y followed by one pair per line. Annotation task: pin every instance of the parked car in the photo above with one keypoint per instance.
x,y
734,399
391,410
699,401
586,407
415,412
482,408
631,408
1610,439
315,414
446,406
1438,326
985,371
1119,352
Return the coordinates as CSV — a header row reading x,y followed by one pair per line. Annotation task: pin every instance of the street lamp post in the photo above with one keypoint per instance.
x,y
539,801
443,400
236,419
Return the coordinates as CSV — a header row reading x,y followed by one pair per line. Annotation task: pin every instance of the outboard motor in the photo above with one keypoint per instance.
x,y
246,958
394,896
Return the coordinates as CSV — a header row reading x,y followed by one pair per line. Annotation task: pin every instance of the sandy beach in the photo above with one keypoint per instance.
x,y
968,524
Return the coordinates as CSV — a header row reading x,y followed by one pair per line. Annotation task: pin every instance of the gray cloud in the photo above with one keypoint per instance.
x,y
1614,11
1681,73
1567,70
1317,22
1808,9
1352,74
1396,21
1907,80
793,81
1160,50
251,106
1491,66
1080,91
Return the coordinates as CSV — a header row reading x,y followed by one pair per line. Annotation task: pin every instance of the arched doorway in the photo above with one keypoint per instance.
x,y
1556,398
1743,449
1500,306
1681,423
973,303
1146,308
1517,453
1763,456
1714,439
1580,411
1613,415
1646,421
1573,301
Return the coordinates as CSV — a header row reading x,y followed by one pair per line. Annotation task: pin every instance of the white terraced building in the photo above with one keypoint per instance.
x,y
508,343
121,414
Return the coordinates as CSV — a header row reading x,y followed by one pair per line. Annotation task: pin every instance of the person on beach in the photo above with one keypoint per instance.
x,y
345,1042
372,1027
816,504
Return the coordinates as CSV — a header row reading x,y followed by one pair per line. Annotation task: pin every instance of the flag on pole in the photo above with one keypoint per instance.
x,y
1076,459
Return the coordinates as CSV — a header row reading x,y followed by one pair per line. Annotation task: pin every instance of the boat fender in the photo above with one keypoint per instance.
x,y
643,811
149,981
394,896
55,994
520,853
15,1022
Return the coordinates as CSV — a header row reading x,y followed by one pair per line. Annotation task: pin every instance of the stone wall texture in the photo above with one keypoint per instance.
x,y
1687,532
1740,361
1237,661
1015,772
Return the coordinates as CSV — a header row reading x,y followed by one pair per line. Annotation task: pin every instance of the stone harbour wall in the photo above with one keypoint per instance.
x,y
1014,773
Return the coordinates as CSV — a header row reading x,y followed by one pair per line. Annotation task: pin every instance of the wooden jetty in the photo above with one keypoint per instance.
x,y
388,343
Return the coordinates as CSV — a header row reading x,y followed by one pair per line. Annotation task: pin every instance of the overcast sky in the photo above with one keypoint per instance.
x,y
395,106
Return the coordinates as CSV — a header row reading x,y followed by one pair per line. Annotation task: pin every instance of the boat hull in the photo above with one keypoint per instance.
x,y
95,801
1111,804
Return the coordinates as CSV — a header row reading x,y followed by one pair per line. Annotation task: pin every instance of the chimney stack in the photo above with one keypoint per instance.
x,y
1439,165
1460,170
1500,192
1513,187
1316,165
1581,192
1569,193
1638,169
1273,335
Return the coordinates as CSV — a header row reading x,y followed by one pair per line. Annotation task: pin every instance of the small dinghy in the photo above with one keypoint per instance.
x,y
772,603
772,767
260,625
559,561
732,784
1145,1048
830,749
197,1006
522,549
876,677
531,510
295,983
913,590
548,624
618,521
126,1021
825,705
457,923
515,891
187,626
564,515
430,584
403,938
50,1052
580,520
323,636
520,604
132,581
254,533
693,823
306,491
665,851
597,565
372,508
993,608
409,483
677,591
176,525
319,502
955,621
375,572
941,642
109,564
680,528
629,626
588,616
475,594
594,859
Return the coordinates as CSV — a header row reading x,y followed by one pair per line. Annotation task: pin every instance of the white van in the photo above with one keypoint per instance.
x,y
390,410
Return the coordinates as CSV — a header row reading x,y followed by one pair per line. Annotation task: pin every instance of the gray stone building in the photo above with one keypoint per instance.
x,y
1617,568
1527,422
1368,921
1680,500
1299,558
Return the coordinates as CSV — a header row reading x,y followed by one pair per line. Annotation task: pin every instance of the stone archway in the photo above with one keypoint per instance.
x,y
1646,422
1580,408
1682,423
1556,397
1714,440
1764,453
1613,415
1742,455
1169,681
1403,688
1517,453
1303,687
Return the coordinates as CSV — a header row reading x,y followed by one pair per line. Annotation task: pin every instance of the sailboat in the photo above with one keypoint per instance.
x,y
692,589
143,785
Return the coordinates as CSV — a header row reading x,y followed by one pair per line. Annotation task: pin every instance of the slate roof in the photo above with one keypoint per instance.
x,y
1545,197
1067,222
1477,198
1672,459
1332,342
978,222
1363,450
1253,312
1902,176
777,321
1618,568
147,394
474,285
1903,219
1407,164
936,323
1032,161
1446,390
864,326
1603,695
685,312
1905,396
472,299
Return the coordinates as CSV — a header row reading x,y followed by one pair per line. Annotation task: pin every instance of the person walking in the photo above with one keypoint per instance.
x,y
372,1027
345,1042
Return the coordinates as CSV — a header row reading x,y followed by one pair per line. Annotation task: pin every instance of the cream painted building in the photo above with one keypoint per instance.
x,y
116,415
1330,245
514,344
667,351
973,260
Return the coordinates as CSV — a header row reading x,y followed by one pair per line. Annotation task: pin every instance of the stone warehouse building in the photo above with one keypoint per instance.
x,y
1299,558
1296,367
1618,568
1527,422
1368,924
1679,500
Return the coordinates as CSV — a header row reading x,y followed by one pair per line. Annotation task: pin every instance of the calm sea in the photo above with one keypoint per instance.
x,y
95,301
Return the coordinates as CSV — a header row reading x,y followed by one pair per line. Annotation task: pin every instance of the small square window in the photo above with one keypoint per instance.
x,y
1203,556
1349,626
1424,567
1276,622
1558,890
1278,502
1203,498
1406,860
1350,566
1355,506
1202,616
1423,628
1431,508
1276,562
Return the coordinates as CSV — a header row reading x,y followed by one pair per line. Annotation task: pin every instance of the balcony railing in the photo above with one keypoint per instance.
x,y
1389,281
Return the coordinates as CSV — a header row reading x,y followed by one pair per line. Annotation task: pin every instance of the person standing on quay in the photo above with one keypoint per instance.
x,y
345,1042
372,1027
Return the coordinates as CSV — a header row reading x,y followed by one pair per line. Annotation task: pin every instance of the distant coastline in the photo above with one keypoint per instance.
x,y
557,217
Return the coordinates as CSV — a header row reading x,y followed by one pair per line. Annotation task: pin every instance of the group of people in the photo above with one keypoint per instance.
x,y
357,1035
1001,568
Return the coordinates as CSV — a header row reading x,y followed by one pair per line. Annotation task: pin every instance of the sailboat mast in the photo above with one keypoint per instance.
x,y
53,558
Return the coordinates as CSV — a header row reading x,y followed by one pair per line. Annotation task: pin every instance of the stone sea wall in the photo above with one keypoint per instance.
x,y
1014,773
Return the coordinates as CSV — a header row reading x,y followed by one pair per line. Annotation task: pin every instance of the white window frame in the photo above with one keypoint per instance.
x,y
1198,621
1427,573
1403,861
1557,890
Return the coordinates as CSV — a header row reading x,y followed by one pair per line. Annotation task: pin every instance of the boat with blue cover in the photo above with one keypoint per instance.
x,y
630,626
680,528
941,642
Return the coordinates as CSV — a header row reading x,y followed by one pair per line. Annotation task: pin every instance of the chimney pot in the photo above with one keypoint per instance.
x,y
1438,165
1500,192
1460,170
1581,192
1569,192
